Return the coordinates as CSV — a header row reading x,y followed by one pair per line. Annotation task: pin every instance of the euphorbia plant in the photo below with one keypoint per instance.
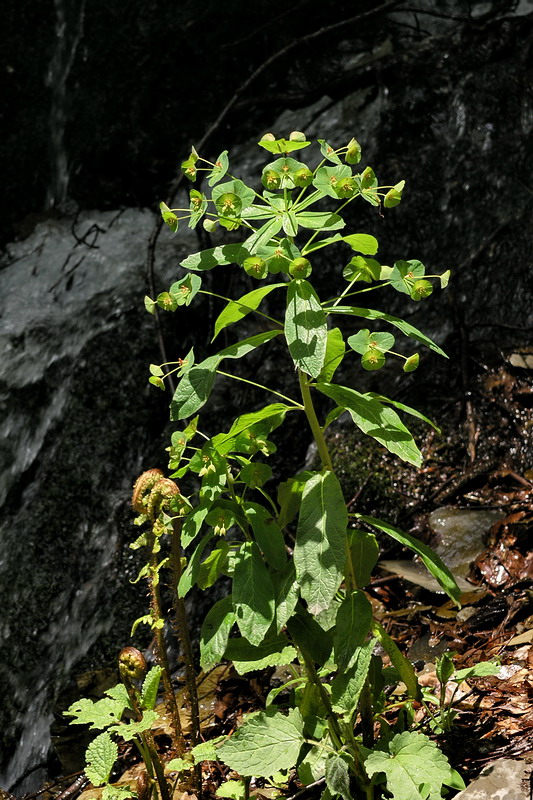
x,y
297,562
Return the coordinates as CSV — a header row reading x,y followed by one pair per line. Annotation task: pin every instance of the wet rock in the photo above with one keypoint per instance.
x,y
504,779
462,534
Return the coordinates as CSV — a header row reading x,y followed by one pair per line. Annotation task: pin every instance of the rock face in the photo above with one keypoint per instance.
x,y
440,99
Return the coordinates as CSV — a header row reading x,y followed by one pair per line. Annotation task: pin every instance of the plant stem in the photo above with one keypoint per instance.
x,y
313,421
367,717
162,656
181,628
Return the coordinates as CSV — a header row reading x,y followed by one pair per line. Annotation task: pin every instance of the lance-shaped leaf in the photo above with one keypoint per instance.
x,y
352,625
347,686
305,327
150,687
215,631
264,744
237,309
216,256
320,548
364,553
404,667
432,561
320,220
272,652
402,325
190,573
263,235
267,534
407,409
195,387
376,420
253,594
335,349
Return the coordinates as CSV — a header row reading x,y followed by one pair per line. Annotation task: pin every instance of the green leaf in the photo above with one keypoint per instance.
x,y
237,309
100,756
286,588
263,235
249,430
363,341
404,327
215,631
394,195
413,761
335,349
352,626
444,279
313,765
169,217
264,744
290,496
253,594
212,567
364,552
362,243
338,777
404,275
150,687
327,178
190,573
402,407
305,327
206,751
320,220
404,667
198,207
133,728
480,670
347,686
328,151
432,561
236,790
362,269
279,146
220,168
215,256
309,636
247,657
376,420
111,792
320,548
411,363
255,474
267,534
195,387
184,290
193,523
236,187
101,714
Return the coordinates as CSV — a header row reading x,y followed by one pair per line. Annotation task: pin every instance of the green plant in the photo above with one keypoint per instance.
x,y
297,563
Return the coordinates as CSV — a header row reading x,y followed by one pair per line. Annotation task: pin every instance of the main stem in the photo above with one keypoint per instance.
x,y
314,424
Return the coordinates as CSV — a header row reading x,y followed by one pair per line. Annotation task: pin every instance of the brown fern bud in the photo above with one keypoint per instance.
x,y
132,663
144,786
163,491
143,485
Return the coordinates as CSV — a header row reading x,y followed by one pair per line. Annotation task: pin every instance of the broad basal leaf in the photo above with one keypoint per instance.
x,y
376,420
264,744
320,548
215,632
305,327
414,767
253,594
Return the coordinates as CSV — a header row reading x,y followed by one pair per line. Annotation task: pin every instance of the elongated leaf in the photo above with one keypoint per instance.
x,y
335,349
404,667
305,327
290,496
216,256
338,777
407,409
364,552
267,534
320,220
237,309
246,657
215,631
150,687
195,387
376,420
190,573
263,235
193,523
402,325
253,594
101,756
286,588
347,686
309,636
251,427
413,761
320,548
432,561
264,744
290,223
352,625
